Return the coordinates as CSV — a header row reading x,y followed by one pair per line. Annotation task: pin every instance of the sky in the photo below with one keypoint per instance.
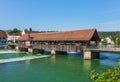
x,y
60,15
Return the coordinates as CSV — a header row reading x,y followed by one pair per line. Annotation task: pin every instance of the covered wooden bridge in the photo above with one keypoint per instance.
x,y
68,41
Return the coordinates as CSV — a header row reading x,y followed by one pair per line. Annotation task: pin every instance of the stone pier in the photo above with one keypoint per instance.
x,y
53,52
88,55
30,50
17,48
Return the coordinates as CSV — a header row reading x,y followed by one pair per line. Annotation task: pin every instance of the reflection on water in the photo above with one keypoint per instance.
x,y
110,59
53,58
75,54
87,64
27,63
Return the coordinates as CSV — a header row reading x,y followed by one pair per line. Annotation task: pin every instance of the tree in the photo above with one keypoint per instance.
x,y
111,75
117,39
104,42
15,31
30,29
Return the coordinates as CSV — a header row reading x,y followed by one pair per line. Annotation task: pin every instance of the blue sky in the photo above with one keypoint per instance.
x,y
60,15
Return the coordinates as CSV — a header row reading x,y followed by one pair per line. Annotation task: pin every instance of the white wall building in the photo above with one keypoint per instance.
x,y
110,41
13,37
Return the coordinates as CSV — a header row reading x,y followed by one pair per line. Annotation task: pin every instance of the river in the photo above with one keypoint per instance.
x,y
54,69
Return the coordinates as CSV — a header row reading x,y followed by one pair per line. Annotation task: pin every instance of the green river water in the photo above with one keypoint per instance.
x,y
54,69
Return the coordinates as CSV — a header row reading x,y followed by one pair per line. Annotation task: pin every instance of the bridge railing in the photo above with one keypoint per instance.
x,y
56,47
62,47
103,47
91,47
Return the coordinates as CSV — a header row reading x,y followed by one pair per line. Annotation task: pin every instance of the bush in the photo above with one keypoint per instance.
x,y
104,42
111,75
117,41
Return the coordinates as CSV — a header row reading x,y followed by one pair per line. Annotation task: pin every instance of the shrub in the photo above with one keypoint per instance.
x,y
111,75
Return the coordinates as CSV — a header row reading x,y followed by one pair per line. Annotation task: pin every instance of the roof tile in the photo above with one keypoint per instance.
x,y
76,35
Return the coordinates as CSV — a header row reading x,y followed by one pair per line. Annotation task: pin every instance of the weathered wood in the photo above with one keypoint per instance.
x,y
69,46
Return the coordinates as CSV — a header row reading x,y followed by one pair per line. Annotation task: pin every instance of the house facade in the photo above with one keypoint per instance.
x,y
13,37
3,39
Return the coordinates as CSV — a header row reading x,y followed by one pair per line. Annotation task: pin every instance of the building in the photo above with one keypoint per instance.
x,y
3,39
25,31
70,41
110,40
13,37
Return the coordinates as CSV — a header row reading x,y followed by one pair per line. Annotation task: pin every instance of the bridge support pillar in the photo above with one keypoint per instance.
x,y
53,52
88,55
30,50
17,48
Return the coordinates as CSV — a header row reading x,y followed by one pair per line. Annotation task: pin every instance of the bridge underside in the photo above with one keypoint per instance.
x,y
62,47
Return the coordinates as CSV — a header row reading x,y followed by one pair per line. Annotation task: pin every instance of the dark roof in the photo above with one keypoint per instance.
x,y
3,34
76,35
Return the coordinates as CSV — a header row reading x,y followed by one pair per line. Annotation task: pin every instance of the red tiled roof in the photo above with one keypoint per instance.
x,y
3,34
76,35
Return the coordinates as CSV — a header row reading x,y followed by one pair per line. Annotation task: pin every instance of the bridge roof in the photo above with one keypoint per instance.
x,y
3,34
75,35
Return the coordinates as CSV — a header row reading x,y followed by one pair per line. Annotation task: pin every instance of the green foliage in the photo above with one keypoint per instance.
x,y
106,34
117,39
15,31
104,42
114,35
111,75
30,29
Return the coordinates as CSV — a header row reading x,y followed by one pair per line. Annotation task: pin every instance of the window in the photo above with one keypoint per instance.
x,y
3,37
